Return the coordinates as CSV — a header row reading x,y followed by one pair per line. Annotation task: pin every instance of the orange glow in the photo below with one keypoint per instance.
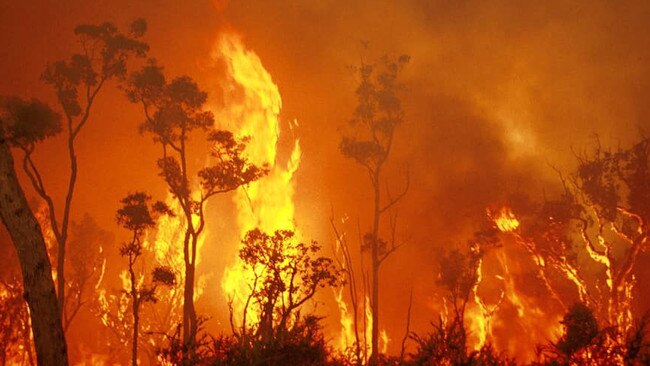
x,y
495,145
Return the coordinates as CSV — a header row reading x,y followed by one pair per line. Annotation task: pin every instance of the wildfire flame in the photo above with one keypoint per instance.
x,y
253,105
346,337
504,219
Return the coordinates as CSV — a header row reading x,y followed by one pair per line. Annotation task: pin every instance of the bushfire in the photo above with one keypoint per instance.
x,y
312,183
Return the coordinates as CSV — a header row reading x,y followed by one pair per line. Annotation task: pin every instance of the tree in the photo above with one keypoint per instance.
x,y
378,114
173,110
580,329
286,275
614,190
137,215
26,234
458,275
77,83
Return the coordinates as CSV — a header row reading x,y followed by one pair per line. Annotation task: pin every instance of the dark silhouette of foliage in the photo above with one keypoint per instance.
x,y
585,343
200,351
458,276
287,274
446,345
581,328
27,122
302,344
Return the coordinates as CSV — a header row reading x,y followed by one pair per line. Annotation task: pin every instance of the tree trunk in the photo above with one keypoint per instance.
x,y
28,240
136,329
135,304
374,354
189,313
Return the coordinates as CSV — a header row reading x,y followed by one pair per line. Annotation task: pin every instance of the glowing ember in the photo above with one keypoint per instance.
x,y
505,220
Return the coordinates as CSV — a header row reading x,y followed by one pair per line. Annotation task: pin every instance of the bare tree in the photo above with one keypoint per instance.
x,y
378,114
343,257
77,83
173,110
25,231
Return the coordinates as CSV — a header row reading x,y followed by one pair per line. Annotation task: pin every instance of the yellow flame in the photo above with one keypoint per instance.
x,y
505,220
368,330
478,315
539,326
253,105
347,337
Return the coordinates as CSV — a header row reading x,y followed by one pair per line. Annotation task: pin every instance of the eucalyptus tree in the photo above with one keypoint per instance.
x,y
174,110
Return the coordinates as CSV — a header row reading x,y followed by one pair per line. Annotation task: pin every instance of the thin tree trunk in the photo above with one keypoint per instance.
x,y
28,240
136,326
135,303
375,274
189,313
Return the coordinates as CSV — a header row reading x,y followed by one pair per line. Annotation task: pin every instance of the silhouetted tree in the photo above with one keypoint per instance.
x,y
18,120
286,275
203,350
580,329
173,110
77,82
458,276
445,345
378,114
138,215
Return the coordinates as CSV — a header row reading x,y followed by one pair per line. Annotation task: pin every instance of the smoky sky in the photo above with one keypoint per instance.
x,y
496,92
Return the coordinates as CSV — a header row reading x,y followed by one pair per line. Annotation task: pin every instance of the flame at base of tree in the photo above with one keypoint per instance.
x,y
253,106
